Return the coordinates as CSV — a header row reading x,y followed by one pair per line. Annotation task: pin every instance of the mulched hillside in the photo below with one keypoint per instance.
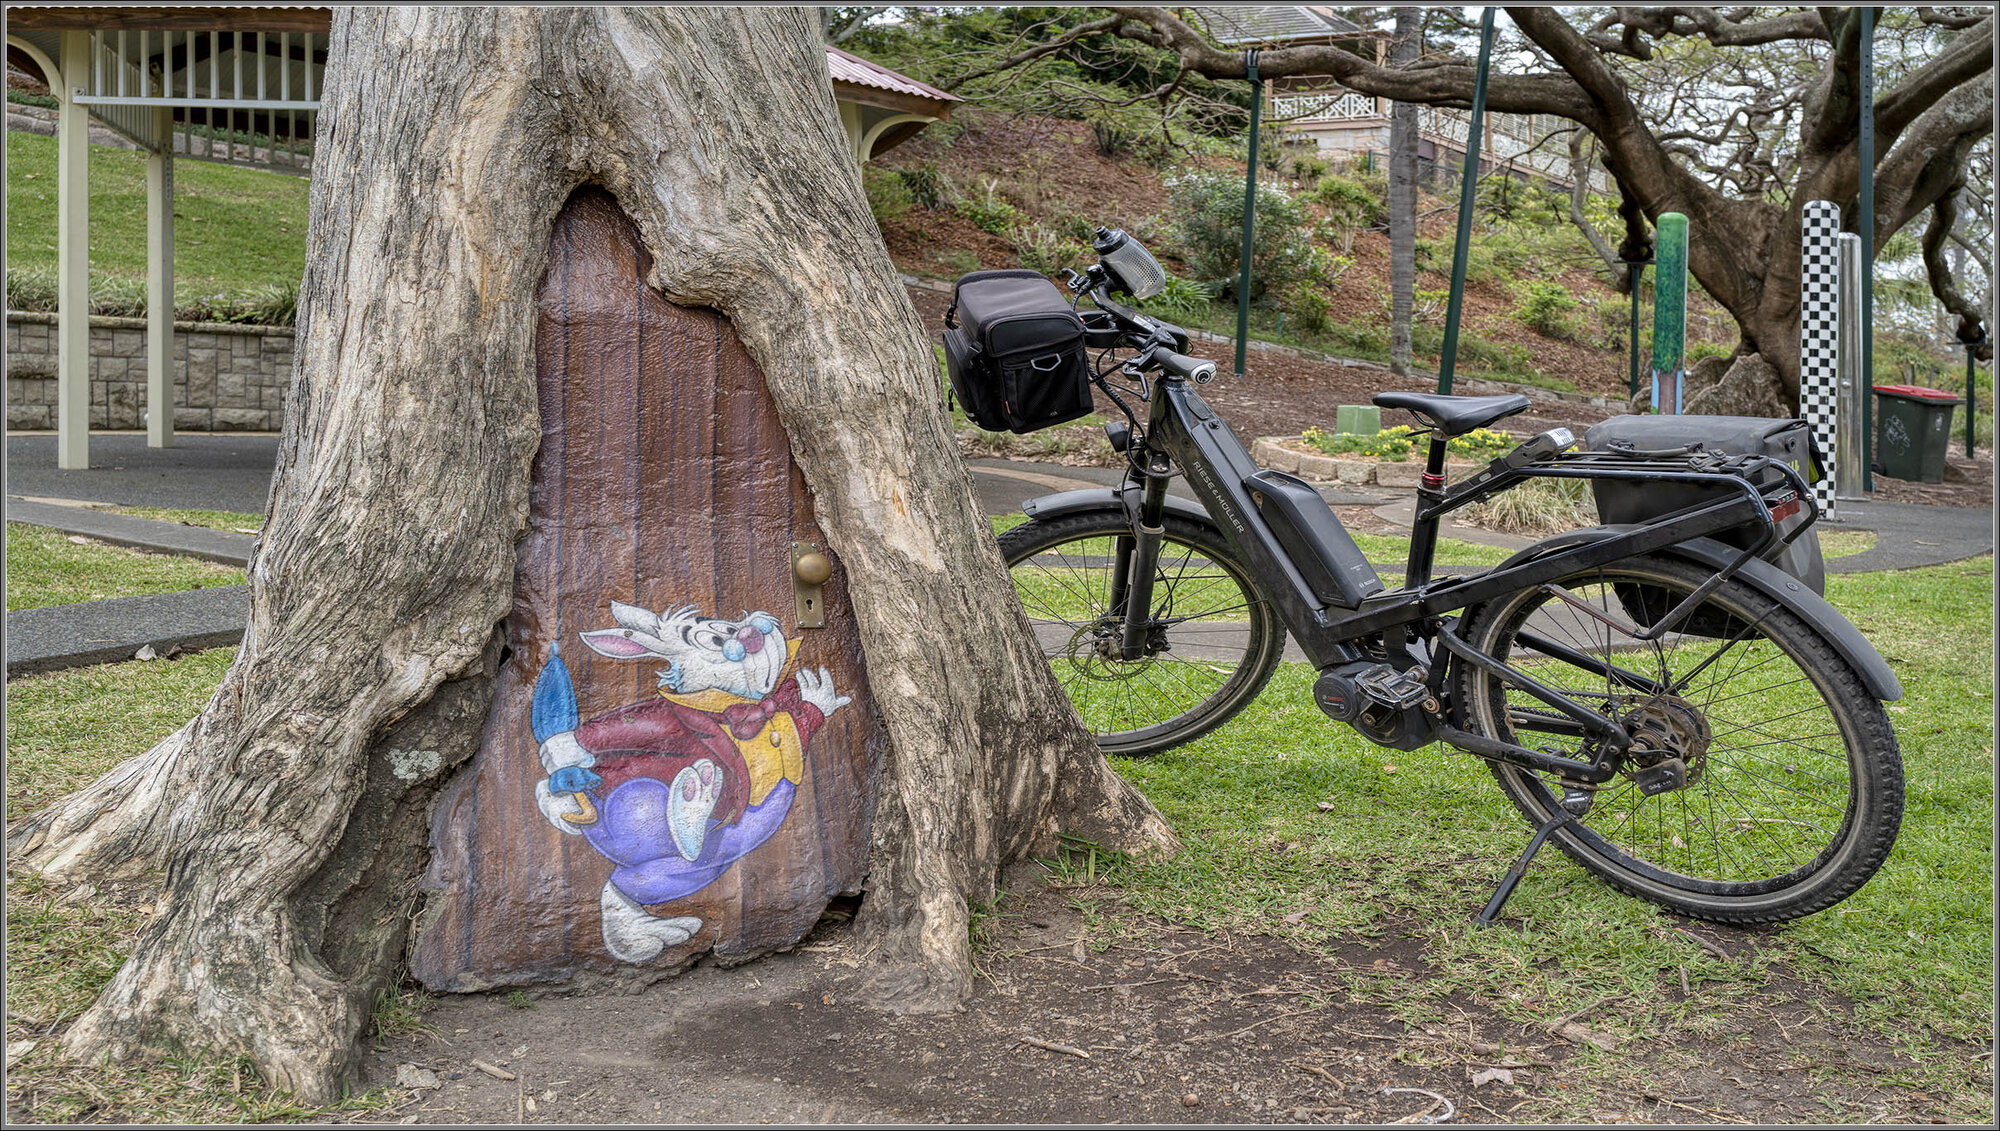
x,y
1050,170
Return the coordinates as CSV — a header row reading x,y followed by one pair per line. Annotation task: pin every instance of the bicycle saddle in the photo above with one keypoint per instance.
x,y
1455,416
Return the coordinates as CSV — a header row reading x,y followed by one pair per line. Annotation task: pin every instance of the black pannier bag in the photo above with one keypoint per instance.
x,y
1014,351
1634,501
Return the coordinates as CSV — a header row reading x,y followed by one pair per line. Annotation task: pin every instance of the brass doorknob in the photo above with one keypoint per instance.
x,y
813,568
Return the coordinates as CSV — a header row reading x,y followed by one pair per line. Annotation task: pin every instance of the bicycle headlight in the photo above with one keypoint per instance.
x,y
1132,267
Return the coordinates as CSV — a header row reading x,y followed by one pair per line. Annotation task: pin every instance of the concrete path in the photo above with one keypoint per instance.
x,y
104,632
231,472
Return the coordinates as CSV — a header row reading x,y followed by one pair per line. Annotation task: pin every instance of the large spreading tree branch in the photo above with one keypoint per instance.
x,y
1038,51
1719,27
1944,216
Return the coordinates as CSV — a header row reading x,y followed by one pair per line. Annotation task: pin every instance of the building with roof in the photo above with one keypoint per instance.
x,y
1351,124
150,74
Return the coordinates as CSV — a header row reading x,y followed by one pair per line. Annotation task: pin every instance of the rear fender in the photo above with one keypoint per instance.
x,y
1788,591
1123,500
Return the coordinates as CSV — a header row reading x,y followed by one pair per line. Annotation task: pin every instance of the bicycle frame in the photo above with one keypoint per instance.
x,y
1184,430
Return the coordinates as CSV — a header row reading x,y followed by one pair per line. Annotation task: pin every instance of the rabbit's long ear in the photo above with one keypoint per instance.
x,y
636,618
623,644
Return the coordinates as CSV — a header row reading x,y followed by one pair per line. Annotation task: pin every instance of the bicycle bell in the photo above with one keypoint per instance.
x,y
1132,267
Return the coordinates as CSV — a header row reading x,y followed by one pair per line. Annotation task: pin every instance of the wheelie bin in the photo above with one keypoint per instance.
x,y
1913,430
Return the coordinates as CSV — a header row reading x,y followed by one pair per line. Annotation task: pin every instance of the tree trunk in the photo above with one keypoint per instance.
x,y
1403,197
289,819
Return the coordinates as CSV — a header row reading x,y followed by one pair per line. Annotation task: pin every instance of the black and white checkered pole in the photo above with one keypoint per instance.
x,y
1819,329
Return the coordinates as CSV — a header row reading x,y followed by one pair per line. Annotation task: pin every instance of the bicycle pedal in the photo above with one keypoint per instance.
x,y
1392,688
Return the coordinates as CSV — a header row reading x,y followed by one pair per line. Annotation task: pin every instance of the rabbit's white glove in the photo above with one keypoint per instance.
x,y
818,690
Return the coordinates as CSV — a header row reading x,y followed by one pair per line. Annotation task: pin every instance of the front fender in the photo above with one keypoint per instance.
x,y
1120,499
1788,591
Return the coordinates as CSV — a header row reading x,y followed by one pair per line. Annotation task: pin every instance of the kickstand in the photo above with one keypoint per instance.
x,y
1508,882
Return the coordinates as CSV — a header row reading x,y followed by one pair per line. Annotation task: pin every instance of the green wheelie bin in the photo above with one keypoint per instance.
x,y
1912,431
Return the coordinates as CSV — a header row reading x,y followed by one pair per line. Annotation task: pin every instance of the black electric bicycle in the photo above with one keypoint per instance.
x,y
1685,720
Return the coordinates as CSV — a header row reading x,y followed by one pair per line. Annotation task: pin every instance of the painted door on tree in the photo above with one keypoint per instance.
x,y
671,764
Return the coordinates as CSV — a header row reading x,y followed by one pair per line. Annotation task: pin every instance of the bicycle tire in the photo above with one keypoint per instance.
x,y
1739,842
1167,698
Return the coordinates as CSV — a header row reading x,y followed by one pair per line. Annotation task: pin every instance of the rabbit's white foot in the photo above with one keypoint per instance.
x,y
634,936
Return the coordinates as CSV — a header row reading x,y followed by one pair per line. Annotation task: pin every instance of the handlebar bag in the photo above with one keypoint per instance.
x,y
1014,352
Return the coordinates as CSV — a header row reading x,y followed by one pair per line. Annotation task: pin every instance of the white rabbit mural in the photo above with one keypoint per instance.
x,y
674,790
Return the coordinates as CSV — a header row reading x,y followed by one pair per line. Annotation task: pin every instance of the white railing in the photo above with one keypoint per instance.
x,y
1330,105
1501,146
139,68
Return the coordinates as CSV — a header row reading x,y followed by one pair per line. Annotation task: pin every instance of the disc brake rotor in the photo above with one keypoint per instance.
x,y
1664,727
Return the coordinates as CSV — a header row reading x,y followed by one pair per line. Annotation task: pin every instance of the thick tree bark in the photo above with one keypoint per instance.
x,y
289,817
1403,197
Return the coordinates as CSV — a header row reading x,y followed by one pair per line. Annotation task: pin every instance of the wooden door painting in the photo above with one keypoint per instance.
x,y
671,765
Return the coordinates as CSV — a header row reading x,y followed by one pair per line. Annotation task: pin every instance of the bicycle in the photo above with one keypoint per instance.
x,y
1687,722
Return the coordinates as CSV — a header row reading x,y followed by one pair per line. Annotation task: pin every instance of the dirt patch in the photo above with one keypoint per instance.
x,y
1178,1027
1968,483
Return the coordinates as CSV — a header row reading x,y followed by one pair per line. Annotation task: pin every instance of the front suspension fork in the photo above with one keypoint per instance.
x,y
1138,559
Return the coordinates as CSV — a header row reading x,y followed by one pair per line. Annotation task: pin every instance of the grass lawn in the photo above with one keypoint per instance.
x,y
234,229
1294,828
1298,828
47,567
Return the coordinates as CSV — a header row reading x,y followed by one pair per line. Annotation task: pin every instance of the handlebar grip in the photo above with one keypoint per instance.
x,y
1181,365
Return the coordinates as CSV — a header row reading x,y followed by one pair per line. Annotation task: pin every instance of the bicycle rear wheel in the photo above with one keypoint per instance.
x,y
1212,640
1792,787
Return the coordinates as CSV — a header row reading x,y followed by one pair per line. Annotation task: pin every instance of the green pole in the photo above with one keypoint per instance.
x,y
1971,397
1249,212
1670,258
1448,357
1867,226
1635,270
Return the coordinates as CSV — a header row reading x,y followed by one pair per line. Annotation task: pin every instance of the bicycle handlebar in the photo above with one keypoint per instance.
x,y
1181,365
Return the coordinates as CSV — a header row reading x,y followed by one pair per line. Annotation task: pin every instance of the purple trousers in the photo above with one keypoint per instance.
x,y
632,831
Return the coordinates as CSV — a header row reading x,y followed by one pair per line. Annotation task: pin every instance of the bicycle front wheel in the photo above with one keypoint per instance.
x,y
1790,786
1212,639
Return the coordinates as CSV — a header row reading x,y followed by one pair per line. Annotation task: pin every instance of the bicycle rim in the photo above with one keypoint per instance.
x,y
1790,791
1212,639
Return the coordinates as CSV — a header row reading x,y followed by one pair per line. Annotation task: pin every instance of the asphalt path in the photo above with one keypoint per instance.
x,y
232,471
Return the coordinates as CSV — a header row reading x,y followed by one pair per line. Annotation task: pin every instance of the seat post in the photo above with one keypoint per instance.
x,y
1424,530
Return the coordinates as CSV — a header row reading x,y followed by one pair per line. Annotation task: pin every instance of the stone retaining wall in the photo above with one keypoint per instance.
x,y
227,378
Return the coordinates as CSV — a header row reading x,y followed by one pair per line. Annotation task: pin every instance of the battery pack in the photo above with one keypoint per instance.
x,y
1320,547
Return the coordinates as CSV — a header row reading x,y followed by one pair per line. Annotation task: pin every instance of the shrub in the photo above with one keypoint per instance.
x,y
987,211
1307,307
1181,299
31,289
1548,309
27,98
1308,167
1324,269
118,296
1110,139
1041,249
1537,506
1207,221
929,187
1350,202
1077,227
1398,443
1425,305
888,198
